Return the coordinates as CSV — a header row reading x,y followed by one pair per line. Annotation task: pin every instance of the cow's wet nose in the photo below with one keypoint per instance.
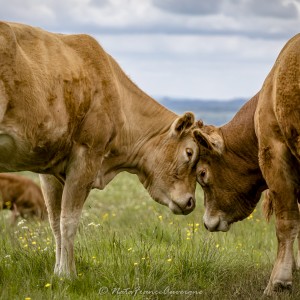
x,y
211,228
191,203
188,205
183,205
215,224
211,223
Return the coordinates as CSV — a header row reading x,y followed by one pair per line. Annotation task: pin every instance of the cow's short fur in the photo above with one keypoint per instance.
x,y
259,149
68,112
22,196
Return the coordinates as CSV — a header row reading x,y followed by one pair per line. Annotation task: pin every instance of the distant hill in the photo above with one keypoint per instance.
x,y
214,112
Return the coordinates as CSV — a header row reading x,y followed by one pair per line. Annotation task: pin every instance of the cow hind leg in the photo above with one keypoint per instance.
x,y
52,191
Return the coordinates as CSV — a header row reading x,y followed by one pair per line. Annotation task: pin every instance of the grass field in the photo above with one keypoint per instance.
x,y
128,247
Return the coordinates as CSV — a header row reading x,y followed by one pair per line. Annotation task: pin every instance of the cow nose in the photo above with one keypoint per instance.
x,y
191,203
188,206
211,223
211,228
215,224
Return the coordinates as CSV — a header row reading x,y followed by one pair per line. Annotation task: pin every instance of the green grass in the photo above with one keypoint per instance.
x,y
129,244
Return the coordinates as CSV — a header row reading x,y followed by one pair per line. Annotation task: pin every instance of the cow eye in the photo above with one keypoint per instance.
x,y
189,153
202,173
202,177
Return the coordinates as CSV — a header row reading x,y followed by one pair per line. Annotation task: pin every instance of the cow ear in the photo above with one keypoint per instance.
x,y
213,141
183,123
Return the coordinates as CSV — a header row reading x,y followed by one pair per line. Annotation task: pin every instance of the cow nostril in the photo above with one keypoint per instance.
x,y
190,203
205,226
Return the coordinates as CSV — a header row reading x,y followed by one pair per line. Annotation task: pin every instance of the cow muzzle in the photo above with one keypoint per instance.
x,y
215,223
183,207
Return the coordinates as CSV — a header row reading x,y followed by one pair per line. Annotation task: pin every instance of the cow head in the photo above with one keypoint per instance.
x,y
232,185
169,166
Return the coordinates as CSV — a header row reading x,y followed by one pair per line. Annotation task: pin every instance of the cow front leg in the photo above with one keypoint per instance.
x,y
297,262
287,227
74,196
298,253
276,163
52,191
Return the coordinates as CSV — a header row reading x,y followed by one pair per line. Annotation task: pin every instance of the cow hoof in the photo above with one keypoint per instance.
x,y
65,274
278,287
281,286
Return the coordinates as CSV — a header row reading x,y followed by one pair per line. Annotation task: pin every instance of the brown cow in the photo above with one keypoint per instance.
x,y
68,112
259,149
22,196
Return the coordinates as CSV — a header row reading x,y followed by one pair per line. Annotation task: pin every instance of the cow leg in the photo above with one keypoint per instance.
x,y
14,214
298,240
276,164
74,196
79,181
52,191
298,253
286,231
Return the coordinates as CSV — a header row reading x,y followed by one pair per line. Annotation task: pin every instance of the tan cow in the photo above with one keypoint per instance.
x,y
259,149
68,112
22,196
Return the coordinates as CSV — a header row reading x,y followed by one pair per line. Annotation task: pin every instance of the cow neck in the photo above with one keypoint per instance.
x,y
239,134
144,117
144,122
241,146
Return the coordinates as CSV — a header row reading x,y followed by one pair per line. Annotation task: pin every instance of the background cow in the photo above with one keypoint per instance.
x,y
68,112
259,149
22,196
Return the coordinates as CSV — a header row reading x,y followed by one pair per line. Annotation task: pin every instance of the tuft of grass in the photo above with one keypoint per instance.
x,y
128,246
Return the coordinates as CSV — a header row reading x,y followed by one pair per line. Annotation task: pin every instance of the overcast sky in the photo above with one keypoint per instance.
x,y
212,49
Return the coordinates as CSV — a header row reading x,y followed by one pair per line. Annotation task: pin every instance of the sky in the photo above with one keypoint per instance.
x,y
195,49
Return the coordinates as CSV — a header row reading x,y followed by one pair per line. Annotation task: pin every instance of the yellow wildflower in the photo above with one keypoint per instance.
x,y
105,216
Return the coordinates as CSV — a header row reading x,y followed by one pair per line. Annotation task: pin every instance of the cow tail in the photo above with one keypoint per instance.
x,y
267,206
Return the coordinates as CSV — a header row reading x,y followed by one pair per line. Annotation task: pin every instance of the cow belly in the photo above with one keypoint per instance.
x,y
19,155
7,149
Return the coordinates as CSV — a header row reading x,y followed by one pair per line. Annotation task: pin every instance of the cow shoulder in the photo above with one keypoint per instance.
x,y
277,114
8,42
86,47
